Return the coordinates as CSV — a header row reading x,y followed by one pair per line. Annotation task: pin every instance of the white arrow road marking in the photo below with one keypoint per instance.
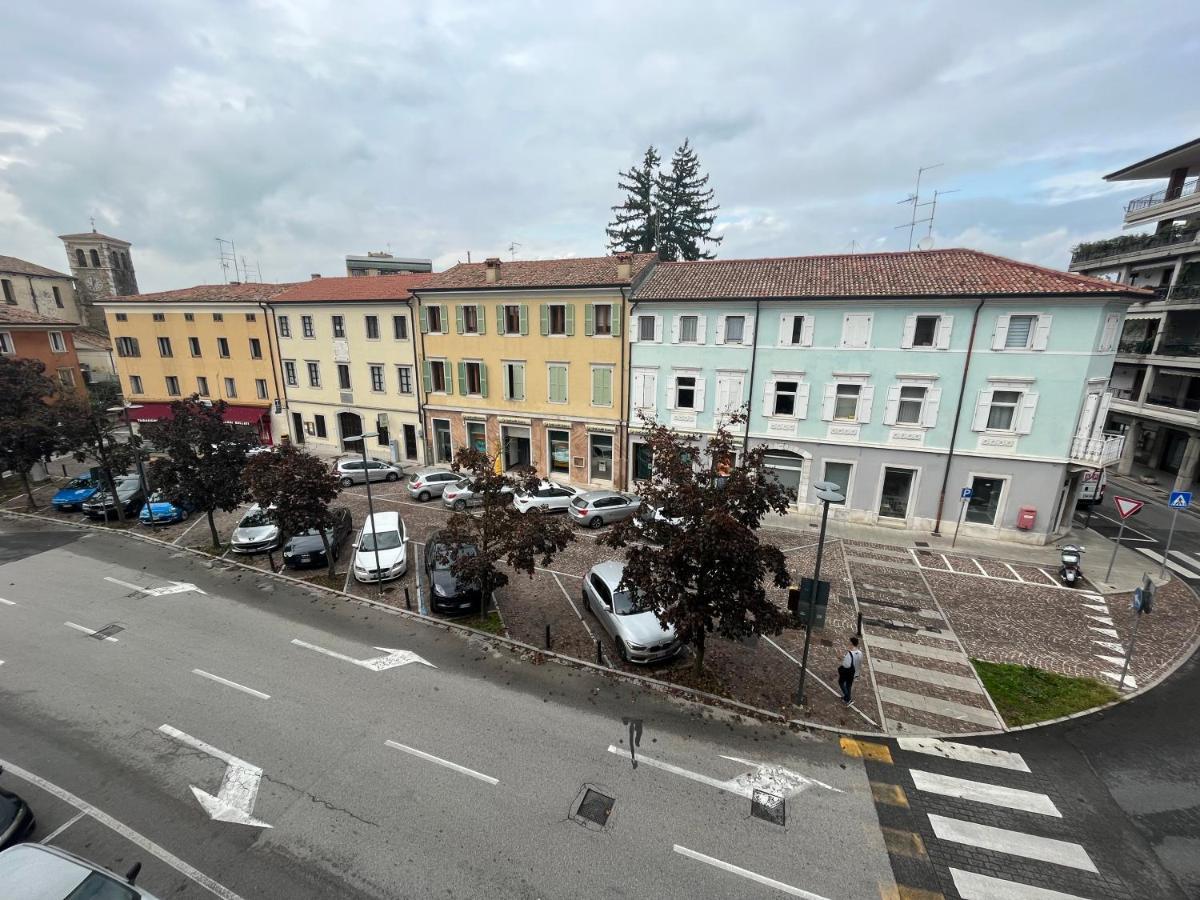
x,y
234,801
764,776
1130,681
175,587
393,659
746,873
90,632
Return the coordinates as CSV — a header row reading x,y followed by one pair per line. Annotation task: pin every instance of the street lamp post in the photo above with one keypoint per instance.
x,y
126,408
362,439
827,492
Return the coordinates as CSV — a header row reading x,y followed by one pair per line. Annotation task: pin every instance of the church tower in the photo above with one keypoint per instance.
x,y
102,269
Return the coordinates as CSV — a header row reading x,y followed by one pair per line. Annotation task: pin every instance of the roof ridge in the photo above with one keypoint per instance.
x,y
742,259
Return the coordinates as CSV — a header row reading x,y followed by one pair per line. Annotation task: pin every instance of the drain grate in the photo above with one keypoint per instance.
x,y
768,807
593,809
921,543
107,631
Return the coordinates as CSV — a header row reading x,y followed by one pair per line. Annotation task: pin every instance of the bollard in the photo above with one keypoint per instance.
x,y
547,635
859,630
64,470
407,598
599,653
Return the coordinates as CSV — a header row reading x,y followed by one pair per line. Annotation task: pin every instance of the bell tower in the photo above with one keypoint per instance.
x,y
102,269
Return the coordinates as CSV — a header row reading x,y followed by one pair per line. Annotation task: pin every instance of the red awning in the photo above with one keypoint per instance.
x,y
151,412
238,415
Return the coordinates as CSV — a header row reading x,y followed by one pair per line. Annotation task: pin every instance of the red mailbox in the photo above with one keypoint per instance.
x,y
1026,516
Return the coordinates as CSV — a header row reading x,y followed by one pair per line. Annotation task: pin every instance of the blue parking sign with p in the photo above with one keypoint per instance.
x,y
1180,499
967,492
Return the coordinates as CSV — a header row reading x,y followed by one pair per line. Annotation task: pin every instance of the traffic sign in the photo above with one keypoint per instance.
x,y
1181,499
967,493
1127,506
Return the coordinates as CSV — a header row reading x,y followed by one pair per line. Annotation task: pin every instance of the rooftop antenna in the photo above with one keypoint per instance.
x,y
512,249
228,259
914,199
246,271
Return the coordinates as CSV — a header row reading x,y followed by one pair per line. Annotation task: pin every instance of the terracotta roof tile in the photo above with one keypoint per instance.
x,y
86,338
593,271
14,315
362,287
209,293
923,273
21,267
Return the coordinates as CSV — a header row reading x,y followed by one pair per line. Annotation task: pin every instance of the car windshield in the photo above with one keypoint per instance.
x,y
388,540
444,556
257,519
76,483
623,603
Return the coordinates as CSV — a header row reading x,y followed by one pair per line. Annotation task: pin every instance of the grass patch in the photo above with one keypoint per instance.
x,y
490,623
1025,695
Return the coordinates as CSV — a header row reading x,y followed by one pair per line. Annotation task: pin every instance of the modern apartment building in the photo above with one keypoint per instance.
x,y
903,377
347,359
1156,379
528,359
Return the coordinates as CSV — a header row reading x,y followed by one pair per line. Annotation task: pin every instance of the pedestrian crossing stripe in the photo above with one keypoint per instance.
x,y
973,886
1014,843
968,753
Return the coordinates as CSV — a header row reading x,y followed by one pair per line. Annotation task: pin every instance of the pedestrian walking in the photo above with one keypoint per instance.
x,y
850,666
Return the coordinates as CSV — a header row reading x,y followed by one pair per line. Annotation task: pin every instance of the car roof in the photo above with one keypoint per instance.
x,y
382,521
610,572
599,495
433,470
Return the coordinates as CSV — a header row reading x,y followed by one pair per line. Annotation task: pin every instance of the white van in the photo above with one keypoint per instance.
x,y
381,551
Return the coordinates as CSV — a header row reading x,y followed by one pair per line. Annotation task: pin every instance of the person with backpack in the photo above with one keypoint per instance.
x,y
850,666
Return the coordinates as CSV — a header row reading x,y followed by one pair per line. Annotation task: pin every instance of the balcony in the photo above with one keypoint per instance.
x,y
1160,204
1124,244
1138,347
1178,348
1097,452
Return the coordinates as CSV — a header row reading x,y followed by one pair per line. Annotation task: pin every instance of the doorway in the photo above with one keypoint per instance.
x,y
788,468
297,428
895,492
516,446
350,426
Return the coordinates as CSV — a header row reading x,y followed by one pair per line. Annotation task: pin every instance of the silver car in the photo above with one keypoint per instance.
x,y
35,870
596,508
427,483
459,496
637,633
257,532
549,496
355,471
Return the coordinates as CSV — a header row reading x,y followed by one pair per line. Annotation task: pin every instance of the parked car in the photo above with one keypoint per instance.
x,y
447,593
548,497
430,482
639,636
257,532
75,493
459,495
386,533
39,872
16,818
355,471
129,494
596,508
165,512
648,514
305,550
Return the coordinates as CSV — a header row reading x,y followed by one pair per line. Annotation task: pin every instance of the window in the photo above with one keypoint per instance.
x,y
189,317
839,473
845,404
404,377
59,345
306,326
58,301
95,258
135,384
685,392
895,493
400,328
910,405
9,297
601,464
285,327
159,317
80,259
164,346
6,343
314,374
856,331
471,379
477,436
435,376
201,385
985,500
260,388
443,449
556,378
255,348
194,346
230,387
289,373
1002,411
433,316
602,319
560,451
512,319
319,425
643,462
121,317
66,376
925,329
251,317
372,328
647,328
218,317
223,347
554,318
687,329
797,337
643,390
785,398
735,329
343,374
602,377
339,326
514,381
1020,330
127,346
469,319
377,384
172,386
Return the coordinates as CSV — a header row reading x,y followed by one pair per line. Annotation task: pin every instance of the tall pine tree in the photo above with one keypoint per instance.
x,y
633,226
686,209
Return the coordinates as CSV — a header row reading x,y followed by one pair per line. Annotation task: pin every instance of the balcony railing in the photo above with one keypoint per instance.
x,y
1130,243
1183,293
1191,186
1138,347
1179,348
1100,452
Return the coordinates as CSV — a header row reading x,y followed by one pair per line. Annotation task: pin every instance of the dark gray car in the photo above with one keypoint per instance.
x,y
129,492
447,594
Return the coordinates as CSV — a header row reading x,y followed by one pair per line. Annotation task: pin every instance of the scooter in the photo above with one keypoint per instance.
x,y
1071,572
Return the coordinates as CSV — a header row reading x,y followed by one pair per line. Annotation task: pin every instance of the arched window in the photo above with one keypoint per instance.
x,y
95,259
80,259
124,259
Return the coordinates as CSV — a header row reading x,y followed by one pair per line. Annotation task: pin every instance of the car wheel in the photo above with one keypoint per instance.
x,y
595,523
183,514
460,505
392,476
423,496
347,481
622,653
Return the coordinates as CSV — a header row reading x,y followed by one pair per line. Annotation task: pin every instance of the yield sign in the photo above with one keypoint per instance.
x,y
1127,506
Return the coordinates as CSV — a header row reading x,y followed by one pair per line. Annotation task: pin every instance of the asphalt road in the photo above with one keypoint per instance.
x,y
1146,531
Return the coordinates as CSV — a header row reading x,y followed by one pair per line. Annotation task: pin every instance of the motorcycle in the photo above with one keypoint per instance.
x,y
1071,572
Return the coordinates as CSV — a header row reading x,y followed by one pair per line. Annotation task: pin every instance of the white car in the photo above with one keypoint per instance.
x,y
549,497
381,551
38,871
257,532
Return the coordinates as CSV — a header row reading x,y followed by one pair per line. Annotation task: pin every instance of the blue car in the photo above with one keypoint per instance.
x,y
165,512
75,492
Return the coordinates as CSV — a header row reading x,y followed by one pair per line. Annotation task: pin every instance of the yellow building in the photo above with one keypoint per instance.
x,y
210,340
347,357
528,357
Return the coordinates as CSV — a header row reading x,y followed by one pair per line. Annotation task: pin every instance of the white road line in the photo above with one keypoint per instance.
x,y
214,887
1107,632
982,570
973,886
90,632
1049,577
1131,534
746,873
1111,660
980,715
1130,681
1103,620
233,684
556,572
983,792
1014,843
1110,645
949,567
1016,574
966,683
1190,560
965,753
1171,564
183,533
63,827
582,620
443,762
742,785
334,654
125,584
7,602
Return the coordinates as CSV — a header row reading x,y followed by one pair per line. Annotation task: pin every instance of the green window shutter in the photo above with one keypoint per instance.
x,y
519,381
589,319
481,319
449,378
458,320
614,316
607,382
602,387
524,318
482,377
462,375
500,319
556,384
544,316
570,319
427,381
425,324
445,322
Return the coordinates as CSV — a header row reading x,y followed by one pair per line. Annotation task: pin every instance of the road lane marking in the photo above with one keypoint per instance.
x,y
209,884
866,750
233,684
1014,843
968,753
1171,564
775,778
393,659
746,873
125,584
63,827
1130,681
234,801
876,642
7,602
443,762
90,632
973,886
175,587
983,792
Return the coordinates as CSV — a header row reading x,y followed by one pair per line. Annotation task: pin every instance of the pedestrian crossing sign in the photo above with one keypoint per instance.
x,y
1181,499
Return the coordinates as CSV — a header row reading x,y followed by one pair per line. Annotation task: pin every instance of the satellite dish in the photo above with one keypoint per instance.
x,y
925,243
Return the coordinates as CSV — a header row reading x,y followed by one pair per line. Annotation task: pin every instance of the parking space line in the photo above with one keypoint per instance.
x,y
556,572
421,754
63,827
819,681
1049,577
747,874
183,534
581,619
1016,574
982,570
233,684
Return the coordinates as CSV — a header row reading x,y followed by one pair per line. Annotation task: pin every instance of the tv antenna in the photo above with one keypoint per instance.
x,y
227,257
512,249
914,200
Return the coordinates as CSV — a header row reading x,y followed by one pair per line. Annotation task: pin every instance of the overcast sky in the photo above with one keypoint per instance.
x,y
307,130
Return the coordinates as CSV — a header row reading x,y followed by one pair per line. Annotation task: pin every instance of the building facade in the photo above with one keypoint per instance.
x,y
527,359
102,268
348,362
26,335
902,377
1156,378
379,262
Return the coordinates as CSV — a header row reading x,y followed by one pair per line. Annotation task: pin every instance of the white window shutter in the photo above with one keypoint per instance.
x,y
633,328
675,329
1041,335
892,409
769,398
828,401
1101,415
720,329
702,329
651,391
802,400
1001,334
637,384
699,400
671,393
945,325
982,407
1025,412
785,330
929,412
658,325
806,331
722,394
847,329
748,331
910,331
866,399
1087,416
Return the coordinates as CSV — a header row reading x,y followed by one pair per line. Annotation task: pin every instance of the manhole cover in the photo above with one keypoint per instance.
x,y
593,809
107,631
921,543
768,807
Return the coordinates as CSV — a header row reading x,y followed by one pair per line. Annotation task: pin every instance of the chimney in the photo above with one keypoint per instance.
x,y
315,275
491,267
624,266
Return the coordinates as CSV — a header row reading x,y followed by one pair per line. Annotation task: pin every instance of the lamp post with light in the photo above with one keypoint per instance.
x,y
827,492
126,408
362,439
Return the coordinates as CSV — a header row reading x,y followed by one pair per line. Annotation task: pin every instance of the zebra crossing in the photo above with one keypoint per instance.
x,y
1185,564
1104,635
